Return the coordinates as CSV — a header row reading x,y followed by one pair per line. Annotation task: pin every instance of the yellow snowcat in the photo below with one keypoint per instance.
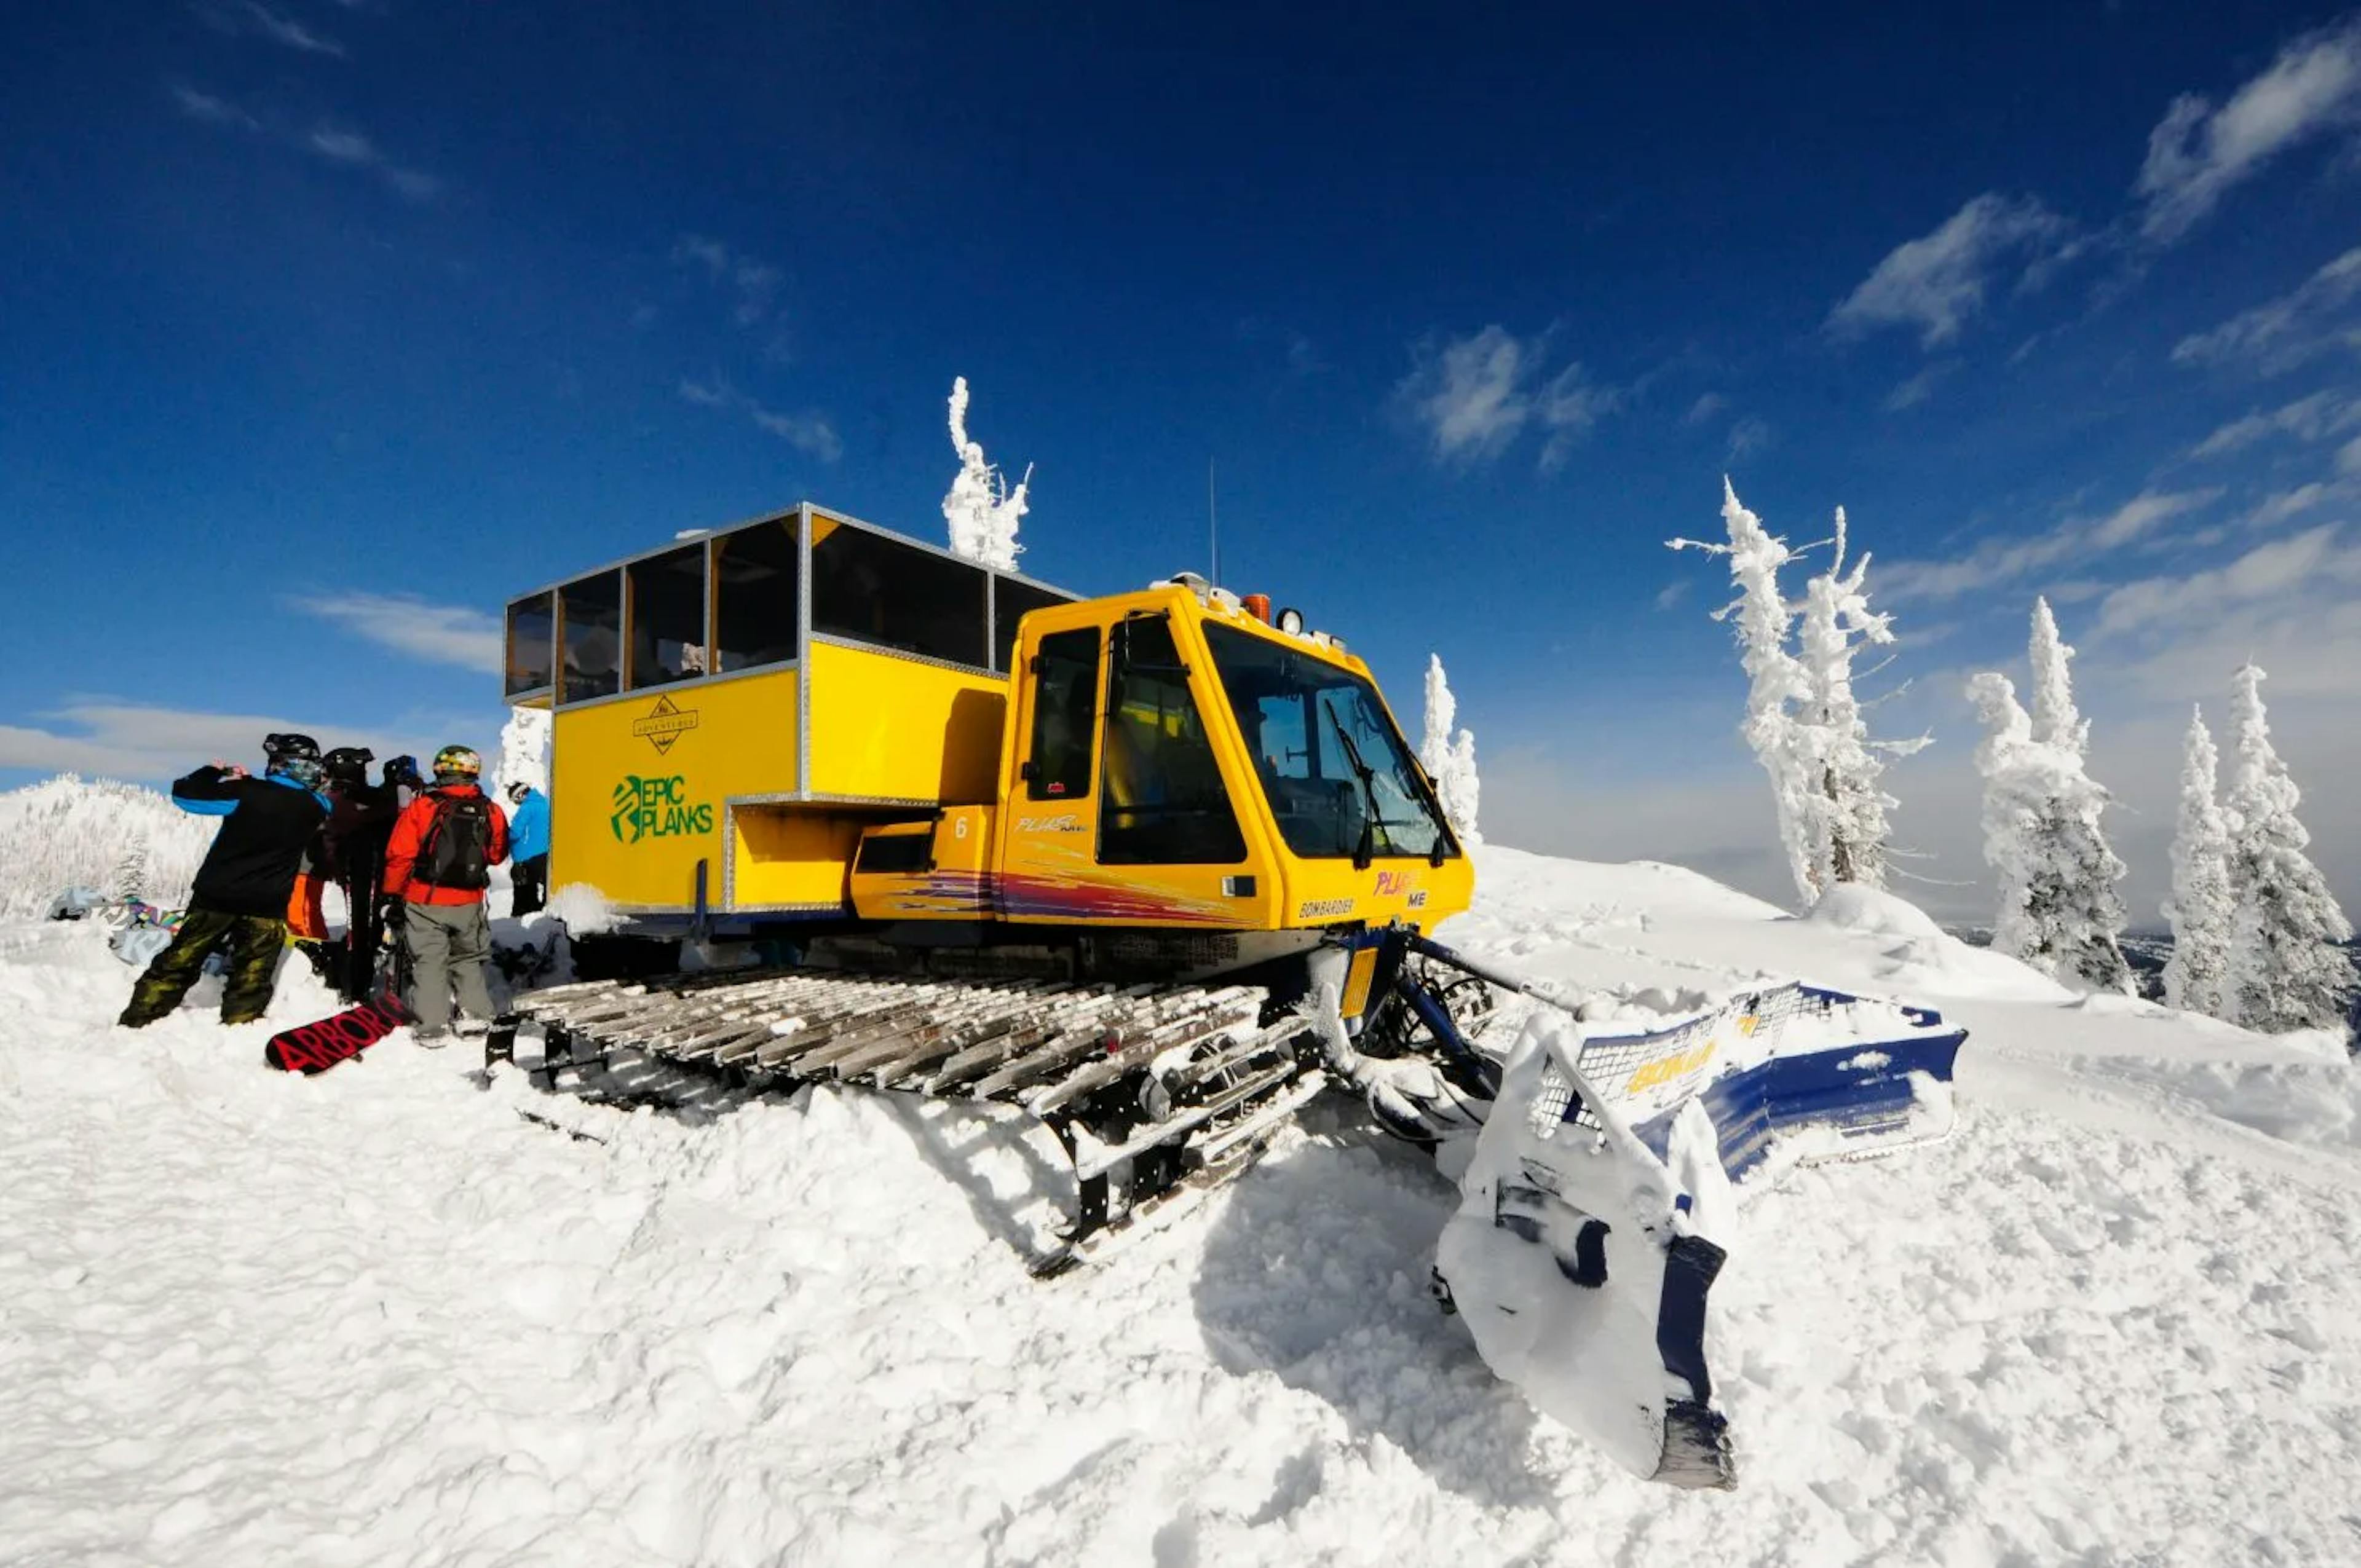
x,y
1157,867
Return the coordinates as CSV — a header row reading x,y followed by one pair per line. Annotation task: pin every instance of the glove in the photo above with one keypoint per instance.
x,y
390,911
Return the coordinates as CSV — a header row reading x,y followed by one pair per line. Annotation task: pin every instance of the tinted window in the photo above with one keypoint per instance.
x,y
1065,702
1012,602
1164,803
1338,776
667,616
592,620
877,591
754,596
533,629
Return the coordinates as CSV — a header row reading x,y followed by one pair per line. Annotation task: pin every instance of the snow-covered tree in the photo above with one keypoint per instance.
x,y
524,751
982,508
2202,904
131,870
69,832
2287,971
2058,907
1847,829
1803,720
1450,761
1777,682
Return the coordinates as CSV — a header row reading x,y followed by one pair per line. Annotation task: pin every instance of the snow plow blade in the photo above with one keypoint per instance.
x,y
1581,1255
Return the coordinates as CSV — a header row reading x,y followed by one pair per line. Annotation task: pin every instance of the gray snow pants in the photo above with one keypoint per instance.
x,y
449,945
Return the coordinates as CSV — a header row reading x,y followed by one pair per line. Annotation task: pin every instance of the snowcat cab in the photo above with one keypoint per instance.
x,y
1158,871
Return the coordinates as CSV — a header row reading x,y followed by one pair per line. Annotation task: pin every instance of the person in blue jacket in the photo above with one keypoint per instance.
x,y
528,849
241,892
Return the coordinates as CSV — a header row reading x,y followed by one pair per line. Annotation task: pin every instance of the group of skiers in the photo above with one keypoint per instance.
x,y
413,855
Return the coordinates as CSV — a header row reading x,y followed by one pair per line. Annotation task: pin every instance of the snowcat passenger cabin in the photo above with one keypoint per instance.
x,y
805,724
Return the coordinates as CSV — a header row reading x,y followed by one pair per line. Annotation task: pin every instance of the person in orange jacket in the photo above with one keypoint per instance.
x,y
437,865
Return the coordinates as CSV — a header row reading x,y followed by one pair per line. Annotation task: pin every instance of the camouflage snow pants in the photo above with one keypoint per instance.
x,y
255,944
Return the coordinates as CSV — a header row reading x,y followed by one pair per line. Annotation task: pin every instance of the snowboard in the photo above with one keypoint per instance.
x,y
316,1048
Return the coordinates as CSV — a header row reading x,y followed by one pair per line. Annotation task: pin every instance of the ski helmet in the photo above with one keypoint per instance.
x,y
306,771
348,764
403,770
458,764
276,746
518,791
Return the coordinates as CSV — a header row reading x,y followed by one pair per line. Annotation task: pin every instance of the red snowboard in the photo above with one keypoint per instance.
x,y
316,1048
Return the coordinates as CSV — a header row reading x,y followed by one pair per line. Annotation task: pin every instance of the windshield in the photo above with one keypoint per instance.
x,y
1338,776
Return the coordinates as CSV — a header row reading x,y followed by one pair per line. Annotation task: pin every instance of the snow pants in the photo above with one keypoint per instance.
x,y
530,882
450,946
255,944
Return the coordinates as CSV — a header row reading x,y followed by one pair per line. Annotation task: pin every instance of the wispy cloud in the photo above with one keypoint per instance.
x,y
2198,152
1747,435
250,18
354,150
752,284
808,433
2280,505
2265,571
2315,417
143,741
213,111
1917,389
437,633
2075,541
1473,396
1707,405
1938,281
2280,334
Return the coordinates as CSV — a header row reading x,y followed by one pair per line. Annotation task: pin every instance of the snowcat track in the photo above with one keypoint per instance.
x,y
1158,1094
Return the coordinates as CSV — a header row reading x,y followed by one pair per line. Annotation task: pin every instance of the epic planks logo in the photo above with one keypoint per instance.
x,y
655,808
664,724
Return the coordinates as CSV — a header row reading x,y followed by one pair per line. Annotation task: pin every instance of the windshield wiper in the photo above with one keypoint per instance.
x,y
1366,850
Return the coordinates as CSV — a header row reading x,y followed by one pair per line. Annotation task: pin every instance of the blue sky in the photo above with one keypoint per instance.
x,y
333,323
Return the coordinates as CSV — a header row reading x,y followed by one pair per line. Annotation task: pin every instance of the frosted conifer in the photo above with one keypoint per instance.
x,y
1846,822
981,507
2202,905
2285,969
524,751
131,870
1450,763
2058,907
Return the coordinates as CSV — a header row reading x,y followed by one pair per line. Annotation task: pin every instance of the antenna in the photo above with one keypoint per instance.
x,y
1213,526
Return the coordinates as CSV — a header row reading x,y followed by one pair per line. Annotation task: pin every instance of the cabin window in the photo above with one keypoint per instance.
x,y
532,632
667,616
1012,601
890,595
1065,704
591,625
754,596
1163,801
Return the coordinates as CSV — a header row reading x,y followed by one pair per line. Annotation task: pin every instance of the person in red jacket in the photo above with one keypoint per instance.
x,y
437,865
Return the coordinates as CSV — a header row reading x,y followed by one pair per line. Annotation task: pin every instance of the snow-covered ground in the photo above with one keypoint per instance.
x,y
379,1318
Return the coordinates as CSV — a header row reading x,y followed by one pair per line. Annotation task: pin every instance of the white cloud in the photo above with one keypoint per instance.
x,y
1748,436
213,111
438,633
2280,334
2197,153
1707,405
808,433
1938,281
353,150
1917,389
2315,417
2264,571
1475,395
2281,505
253,19
140,742
2075,541
752,283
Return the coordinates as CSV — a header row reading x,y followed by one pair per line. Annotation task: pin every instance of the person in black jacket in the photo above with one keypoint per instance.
x,y
352,846
241,892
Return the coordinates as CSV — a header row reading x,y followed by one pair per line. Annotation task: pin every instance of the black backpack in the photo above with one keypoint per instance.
x,y
457,852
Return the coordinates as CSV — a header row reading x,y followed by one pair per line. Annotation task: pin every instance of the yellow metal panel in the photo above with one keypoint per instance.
x,y
639,784
956,885
1356,983
791,856
889,729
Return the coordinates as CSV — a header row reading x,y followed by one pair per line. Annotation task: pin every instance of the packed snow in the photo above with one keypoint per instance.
x,y
380,1317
